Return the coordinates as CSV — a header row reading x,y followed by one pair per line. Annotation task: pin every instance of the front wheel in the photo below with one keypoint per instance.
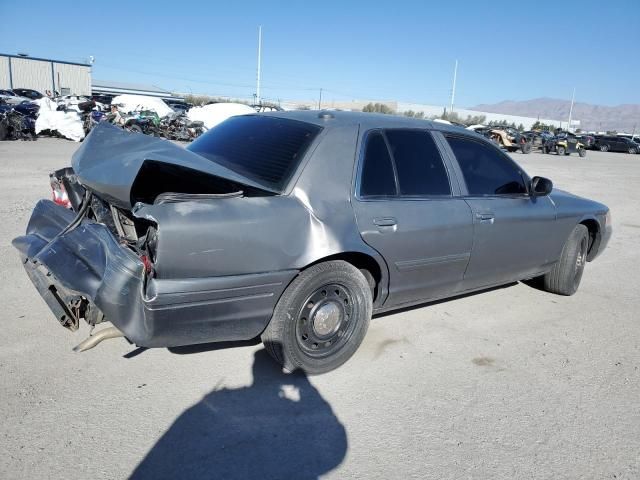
x,y
560,150
564,278
582,152
604,148
632,151
321,318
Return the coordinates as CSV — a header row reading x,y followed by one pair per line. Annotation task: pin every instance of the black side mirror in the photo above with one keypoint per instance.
x,y
540,186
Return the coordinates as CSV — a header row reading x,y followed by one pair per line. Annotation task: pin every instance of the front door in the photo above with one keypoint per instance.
x,y
512,237
406,210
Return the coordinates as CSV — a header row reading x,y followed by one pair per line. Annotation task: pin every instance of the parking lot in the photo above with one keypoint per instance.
x,y
510,383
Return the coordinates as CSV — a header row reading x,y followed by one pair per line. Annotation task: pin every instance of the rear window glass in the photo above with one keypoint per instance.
x,y
266,150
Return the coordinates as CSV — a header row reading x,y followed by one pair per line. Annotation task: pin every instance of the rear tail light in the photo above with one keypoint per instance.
x,y
148,267
59,193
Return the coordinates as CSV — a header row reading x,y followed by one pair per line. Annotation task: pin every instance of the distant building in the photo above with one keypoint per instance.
x,y
431,111
42,74
108,87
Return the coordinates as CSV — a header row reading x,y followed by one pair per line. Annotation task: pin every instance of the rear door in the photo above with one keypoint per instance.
x,y
513,232
408,211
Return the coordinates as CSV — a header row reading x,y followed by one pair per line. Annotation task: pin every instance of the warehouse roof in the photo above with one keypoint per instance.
x,y
108,86
27,57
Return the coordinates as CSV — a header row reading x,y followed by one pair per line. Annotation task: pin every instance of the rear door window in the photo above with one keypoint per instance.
x,y
421,171
485,169
377,178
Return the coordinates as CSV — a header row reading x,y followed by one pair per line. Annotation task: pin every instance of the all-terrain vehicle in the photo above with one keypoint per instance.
x,y
565,144
507,138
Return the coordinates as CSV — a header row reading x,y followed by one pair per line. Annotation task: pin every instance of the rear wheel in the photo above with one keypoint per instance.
x,y
135,128
561,150
321,318
582,152
604,148
526,147
565,276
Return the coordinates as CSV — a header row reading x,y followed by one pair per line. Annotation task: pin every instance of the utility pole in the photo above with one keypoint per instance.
x,y
573,97
259,61
453,87
320,101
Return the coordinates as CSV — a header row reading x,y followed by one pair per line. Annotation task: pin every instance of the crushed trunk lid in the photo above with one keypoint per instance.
x,y
111,162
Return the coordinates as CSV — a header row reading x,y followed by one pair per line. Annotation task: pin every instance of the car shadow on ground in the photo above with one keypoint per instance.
x,y
277,427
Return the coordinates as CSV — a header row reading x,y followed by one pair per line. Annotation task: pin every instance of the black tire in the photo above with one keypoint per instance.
x,y
632,151
564,278
135,128
526,147
545,149
582,152
297,342
560,150
4,131
604,148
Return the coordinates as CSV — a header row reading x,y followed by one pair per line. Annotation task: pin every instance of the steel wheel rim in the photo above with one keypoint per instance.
x,y
325,322
581,259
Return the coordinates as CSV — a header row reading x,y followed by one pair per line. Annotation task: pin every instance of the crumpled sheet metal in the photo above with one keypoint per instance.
x,y
110,158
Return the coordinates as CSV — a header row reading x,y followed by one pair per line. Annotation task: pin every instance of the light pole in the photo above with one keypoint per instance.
x,y
453,87
259,61
573,97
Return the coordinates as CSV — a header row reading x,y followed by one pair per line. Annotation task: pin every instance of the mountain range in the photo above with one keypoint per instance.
x,y
621,118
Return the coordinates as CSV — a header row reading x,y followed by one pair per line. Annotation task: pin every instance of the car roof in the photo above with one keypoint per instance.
x,y
337,119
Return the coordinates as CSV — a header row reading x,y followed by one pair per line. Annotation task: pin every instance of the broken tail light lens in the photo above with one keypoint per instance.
x,y
148,267
59,194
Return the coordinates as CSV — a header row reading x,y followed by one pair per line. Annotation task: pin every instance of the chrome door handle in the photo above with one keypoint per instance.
x,y
385,222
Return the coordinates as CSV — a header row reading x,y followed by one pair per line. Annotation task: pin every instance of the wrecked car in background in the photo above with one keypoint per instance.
x,y
295,227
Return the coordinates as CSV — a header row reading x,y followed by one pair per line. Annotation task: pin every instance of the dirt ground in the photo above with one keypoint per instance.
x,y
511,383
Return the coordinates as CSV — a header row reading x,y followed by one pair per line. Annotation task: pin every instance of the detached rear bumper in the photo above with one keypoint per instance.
x,y
88,265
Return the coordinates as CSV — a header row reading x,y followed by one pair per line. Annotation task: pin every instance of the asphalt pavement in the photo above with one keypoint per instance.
x,y
510,383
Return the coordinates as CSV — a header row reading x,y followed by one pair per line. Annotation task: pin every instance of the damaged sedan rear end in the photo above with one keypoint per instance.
x,y
166,244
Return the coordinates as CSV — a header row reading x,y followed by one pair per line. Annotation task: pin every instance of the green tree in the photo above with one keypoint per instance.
x,y
378,108
412,114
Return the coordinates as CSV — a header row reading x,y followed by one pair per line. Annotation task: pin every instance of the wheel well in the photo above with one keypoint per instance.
x,y
363,262
594,236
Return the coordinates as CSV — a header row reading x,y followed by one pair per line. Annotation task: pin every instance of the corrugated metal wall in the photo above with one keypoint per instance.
x,y
31,74
40,75
74,77
4,72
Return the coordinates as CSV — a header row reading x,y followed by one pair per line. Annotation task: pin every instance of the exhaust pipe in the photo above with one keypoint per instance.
x,y
93,340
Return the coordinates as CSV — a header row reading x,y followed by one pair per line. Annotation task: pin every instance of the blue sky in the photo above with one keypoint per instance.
x,y
401,50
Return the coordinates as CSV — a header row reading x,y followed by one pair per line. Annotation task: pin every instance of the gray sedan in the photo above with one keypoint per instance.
x,y
295,227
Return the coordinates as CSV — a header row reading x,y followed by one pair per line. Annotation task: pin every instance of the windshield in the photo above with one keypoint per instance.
x,y
266,150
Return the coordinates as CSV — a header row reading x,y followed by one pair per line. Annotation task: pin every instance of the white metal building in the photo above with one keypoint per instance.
x,y
42,74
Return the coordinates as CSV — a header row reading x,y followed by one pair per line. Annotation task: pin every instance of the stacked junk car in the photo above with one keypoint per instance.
x,y
72,117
